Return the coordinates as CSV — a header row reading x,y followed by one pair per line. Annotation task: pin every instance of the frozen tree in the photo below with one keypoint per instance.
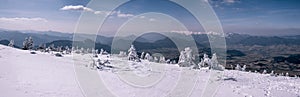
x,y
143,55
42,47
214,61
162,59
244,68
238,67
48,49
272,73
97,51
281,74
182,57
215,64
59,49
168,61
11,43
82,50
173,62
148,57
122,54
264,72
186,58
88,50
205,61
28,43
68,50
94,53
201,63
101,51
52,47
189,55
132,55
156,59
72,49
286,74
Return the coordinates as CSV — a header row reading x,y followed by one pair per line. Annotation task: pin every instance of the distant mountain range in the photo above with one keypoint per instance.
x,y
146,41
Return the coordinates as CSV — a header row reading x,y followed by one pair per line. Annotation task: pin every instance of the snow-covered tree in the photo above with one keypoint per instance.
x,y
204,62
143,55
201,63
11,43
215,64
281,74
97,51
132,55
186,58
59,49
182,57
42,47
48,50
82,50
52,47
68,50
168,61
238,67
173,62
148,57
28,43
94,53
244,68
88,50
156,59
101,51
122,54
264,72
272,73
162,59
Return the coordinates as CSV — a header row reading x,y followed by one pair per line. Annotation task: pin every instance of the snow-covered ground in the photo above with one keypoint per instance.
x,y
43,75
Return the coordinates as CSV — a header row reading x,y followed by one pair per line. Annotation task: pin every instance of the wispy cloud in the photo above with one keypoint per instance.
x,y
97,12
77,8
123,15
152,19
229,1
222,1
24,23
188,32
22,19
142,17
194,32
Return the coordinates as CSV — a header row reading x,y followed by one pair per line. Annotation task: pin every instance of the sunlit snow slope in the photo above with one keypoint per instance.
x,y
43,75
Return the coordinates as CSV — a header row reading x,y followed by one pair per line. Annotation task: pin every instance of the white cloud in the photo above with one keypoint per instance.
x,y
102,12
77,7
152,19
23,23
97,12
230,1
142,17
192,32
189,32
222,1
123,15
117,13
22,19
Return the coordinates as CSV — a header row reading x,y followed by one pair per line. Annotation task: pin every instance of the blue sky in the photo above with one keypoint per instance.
x,y
257,17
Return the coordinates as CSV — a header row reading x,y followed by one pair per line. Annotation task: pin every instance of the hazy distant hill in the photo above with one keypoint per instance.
x,y
38,38
149,40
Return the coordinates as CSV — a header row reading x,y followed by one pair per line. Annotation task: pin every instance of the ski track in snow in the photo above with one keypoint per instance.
x,y
43,75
